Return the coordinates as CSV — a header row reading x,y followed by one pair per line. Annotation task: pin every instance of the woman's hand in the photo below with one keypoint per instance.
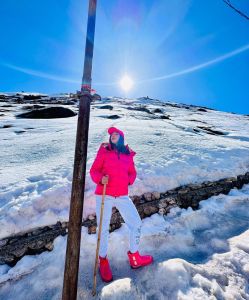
x,y
105,179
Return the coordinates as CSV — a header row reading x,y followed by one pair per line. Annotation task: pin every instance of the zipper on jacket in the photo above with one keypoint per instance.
x,y
118,158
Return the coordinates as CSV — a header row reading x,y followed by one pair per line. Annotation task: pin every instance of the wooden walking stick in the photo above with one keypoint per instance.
x,y
98,243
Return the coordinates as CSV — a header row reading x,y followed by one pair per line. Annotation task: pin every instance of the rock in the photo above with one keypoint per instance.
x,y
106,107
135,199
231,182
113,117
195,204
246,177
19,252
37,245
195,186
192,186
199,121
158,110
13,240
3,242
211,131
162,211
48,113
183,192
171,200
140,108
165,117
38,231
31,97
231,179
156,195
17,100
148,196
202,109
49,246
149,210
179,202
64,224
92,229
115,226
201,192
162,203
140,210
114,210
8,259
240,181
7,126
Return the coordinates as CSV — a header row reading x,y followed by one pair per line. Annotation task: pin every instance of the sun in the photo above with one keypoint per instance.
x,y
126,83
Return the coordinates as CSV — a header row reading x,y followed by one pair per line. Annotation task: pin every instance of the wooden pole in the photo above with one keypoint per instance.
x,y
78,184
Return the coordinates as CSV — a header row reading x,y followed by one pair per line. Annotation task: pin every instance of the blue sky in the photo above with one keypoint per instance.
x,y
188,51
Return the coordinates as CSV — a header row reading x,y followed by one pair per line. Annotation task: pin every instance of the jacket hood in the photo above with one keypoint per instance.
x,y
107,147
132,152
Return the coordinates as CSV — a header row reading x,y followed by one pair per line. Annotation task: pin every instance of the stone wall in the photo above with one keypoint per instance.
x,y
41,239
184,196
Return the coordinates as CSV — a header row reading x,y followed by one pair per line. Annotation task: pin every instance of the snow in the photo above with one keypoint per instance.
x,y
200,254
36,166
192,260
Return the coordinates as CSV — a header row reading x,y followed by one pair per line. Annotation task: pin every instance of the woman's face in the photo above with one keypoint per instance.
x,y
114,137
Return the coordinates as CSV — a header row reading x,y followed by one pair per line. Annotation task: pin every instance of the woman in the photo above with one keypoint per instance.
x,y
114,166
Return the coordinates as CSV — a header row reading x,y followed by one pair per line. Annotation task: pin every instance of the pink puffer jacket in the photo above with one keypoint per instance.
x,y
121,170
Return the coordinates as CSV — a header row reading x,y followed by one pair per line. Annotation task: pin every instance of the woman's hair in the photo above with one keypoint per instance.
x,y
120,145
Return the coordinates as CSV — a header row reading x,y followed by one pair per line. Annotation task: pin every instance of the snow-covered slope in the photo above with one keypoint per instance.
x,y
37,155
201,254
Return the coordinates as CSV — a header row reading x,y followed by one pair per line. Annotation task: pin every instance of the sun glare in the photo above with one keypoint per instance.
x,y
126,83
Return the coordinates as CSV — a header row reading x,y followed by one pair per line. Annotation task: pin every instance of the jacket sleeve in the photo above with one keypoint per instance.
x,y
96,168
132,173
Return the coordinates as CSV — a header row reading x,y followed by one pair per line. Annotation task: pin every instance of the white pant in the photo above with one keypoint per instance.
x,y
130,215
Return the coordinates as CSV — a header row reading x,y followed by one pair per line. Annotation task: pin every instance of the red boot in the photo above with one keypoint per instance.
x,y
137,260
104,269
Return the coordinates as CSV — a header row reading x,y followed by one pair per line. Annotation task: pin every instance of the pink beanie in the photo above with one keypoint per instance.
x,y
114,129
